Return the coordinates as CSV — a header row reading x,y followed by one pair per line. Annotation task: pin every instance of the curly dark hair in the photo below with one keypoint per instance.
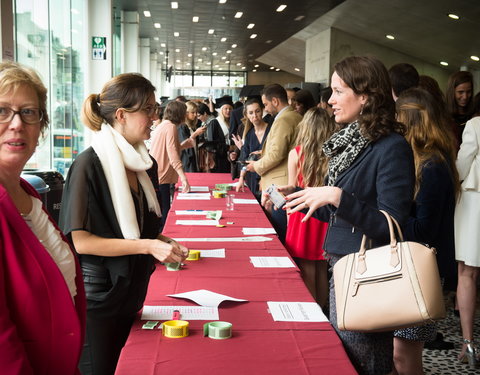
x,y
366,75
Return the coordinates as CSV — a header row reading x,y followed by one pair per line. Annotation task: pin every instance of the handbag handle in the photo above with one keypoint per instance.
x,y
394,258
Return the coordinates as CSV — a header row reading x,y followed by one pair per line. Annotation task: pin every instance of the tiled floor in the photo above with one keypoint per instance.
x,y
444,362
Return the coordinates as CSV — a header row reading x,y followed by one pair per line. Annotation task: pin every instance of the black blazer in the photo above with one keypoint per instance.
x,y
382,177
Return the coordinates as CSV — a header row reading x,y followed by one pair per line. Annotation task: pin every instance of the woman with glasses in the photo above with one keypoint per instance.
x,y
42,300
111,214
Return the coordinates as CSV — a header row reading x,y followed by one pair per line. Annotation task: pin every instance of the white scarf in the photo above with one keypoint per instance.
x,y
116,154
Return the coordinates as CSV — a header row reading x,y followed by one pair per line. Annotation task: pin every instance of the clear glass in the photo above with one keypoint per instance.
x,y
230,202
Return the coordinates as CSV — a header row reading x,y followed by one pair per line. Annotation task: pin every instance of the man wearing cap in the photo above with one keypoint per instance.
x,y
272,166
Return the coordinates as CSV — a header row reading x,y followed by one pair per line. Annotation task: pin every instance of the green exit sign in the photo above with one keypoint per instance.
x,y
99,48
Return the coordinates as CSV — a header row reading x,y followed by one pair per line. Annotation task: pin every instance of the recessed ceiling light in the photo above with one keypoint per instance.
x,y
214,54
146,13
177,50
227,62
211,31
209,63
161,53
188,64
162,45
238,15
174,5
444,63
178,61
229,51
200,60
238,64
254,70
453,16
256,65
250,26
176,33
195,19
223,40
157,25
222,1
234,46
156,38
253,36
224,57
204,48
277,70
268,41
243,67
297,70
299,18
272,67
281,8
391,37
189,55
215,66
220,68
475,58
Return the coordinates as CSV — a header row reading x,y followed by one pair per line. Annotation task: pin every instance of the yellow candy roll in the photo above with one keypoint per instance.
x,y
193,255
175,329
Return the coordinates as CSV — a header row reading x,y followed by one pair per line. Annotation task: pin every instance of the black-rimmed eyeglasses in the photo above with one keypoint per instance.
x,y
28,115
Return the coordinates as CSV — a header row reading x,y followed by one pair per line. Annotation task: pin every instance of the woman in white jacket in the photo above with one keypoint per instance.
x,y
467,235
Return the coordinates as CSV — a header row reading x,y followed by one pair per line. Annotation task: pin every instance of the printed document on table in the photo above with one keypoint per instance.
x,y
227,239
206,298
244,201
193,196
197,222
195,189
296,312
272,262
256,231
214,253
186,312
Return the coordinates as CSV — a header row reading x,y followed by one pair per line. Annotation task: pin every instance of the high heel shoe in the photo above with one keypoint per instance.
x,y
470,355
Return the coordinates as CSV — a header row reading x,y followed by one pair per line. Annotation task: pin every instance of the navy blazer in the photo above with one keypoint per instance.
x,y
381,178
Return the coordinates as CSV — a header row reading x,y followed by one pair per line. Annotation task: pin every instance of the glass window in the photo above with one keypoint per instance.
x,y
49,38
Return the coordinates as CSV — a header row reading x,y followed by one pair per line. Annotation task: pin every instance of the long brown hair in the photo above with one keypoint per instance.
x,y
246,122
130,91
429,132
314,129
454,80
366,75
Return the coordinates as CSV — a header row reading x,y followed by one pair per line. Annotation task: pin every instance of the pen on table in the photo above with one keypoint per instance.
x,y
176,315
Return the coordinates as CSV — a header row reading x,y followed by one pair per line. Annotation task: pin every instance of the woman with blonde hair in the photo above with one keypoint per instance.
x,y
42,298
307,166
111,214
188,134
431,218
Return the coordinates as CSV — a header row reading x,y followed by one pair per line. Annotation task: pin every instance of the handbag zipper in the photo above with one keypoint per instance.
x,y
357,284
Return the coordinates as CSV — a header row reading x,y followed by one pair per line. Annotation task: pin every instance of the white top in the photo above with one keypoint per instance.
x,y
51,239
468,159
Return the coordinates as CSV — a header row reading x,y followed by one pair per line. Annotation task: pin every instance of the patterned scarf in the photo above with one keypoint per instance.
x,y
342,148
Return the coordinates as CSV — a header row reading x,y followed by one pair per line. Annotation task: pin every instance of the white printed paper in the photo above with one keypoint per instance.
x,y
296,312
255,231
206,298
195,189
191,212
193,196
214,253
272,262
186,312
226,239
197,222
244,201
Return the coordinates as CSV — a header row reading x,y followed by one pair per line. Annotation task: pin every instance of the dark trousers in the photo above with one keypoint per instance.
x,y
278,219
104,340
164,199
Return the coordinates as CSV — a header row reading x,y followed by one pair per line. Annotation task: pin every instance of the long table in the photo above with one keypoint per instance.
x,y
259,345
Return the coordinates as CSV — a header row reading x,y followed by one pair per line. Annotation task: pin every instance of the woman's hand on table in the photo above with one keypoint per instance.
x,y
240,184
168,251
185,186
312,199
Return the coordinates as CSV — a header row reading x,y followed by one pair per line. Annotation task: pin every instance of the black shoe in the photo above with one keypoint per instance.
x,y
438,343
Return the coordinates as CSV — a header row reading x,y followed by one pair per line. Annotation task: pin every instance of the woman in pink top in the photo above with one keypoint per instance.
x,y
166,150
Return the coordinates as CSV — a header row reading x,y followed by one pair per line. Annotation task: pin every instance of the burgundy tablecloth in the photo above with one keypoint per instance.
x,y
259,345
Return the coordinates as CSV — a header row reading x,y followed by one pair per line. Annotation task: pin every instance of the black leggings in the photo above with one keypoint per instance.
x,y
104,340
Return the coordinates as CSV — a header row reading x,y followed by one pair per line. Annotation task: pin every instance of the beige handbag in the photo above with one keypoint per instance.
x,y
390,287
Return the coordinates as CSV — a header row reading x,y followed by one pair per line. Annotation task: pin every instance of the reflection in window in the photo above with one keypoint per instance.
x,y
49,38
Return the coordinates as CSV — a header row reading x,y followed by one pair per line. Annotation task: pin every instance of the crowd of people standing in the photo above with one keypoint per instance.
x,y
377,139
